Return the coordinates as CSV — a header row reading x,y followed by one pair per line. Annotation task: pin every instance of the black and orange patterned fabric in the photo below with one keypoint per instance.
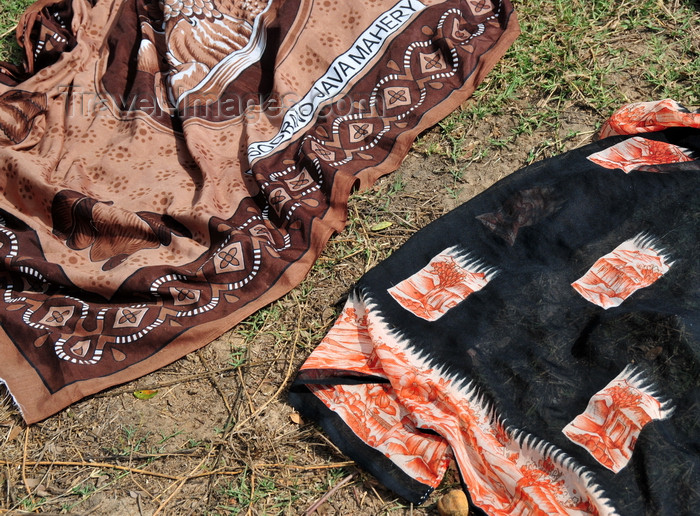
x,y
544,336
169,167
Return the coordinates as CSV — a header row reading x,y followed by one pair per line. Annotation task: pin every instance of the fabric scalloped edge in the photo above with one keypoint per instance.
x,y
490,453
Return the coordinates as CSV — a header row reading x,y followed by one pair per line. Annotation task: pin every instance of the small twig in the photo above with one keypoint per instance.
x,y
122,468
95,465
8,32
326,496
24,462
138,456
377,495
184,379
282,386
403,221
214,473
181,484
307,468
252,490
142,487
215,382
245,391
8,496
354,253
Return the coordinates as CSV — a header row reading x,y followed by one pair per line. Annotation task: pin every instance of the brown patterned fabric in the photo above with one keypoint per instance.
x,y
168,168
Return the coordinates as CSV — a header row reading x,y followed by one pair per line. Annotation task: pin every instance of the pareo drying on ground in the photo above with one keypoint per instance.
x,y
168,168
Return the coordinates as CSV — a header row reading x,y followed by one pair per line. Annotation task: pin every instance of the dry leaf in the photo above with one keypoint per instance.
x,y
145,394
32,482
379,226
295,417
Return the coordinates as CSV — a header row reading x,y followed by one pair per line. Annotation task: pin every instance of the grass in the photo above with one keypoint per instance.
x,y
574,63
583,55
10,12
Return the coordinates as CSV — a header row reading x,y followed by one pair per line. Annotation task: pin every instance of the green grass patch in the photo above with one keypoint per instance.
x,y
586,55
10,12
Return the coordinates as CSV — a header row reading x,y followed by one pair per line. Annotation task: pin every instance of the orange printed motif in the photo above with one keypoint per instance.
x,y
645,117
348,346
422,417
609,427
373,410
376,417
441,285
637,152
634,264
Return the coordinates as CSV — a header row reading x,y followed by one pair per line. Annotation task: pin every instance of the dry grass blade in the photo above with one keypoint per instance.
x,y
8,32
180,483
326,496
106,465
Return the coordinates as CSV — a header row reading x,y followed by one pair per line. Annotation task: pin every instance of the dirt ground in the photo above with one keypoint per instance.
x,y
219,436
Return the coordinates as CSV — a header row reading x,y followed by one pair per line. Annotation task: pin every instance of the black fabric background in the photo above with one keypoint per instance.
x,y
538,349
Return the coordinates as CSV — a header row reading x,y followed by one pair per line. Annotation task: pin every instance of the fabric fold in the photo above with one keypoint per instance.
x,y
544,334
169,168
